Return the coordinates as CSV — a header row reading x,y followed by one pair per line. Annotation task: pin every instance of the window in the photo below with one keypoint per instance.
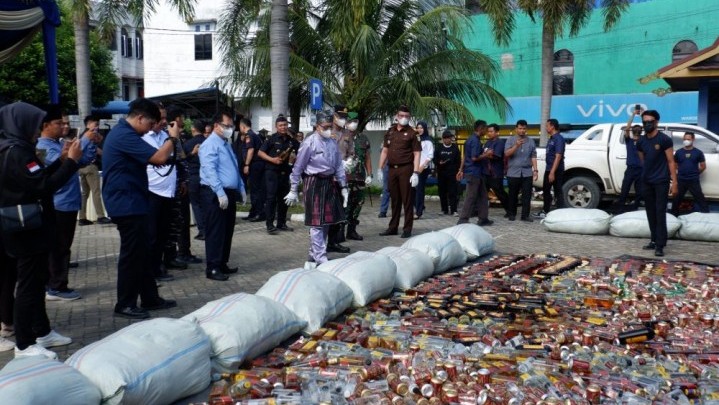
x,y
596,135
197,28
124,38
203,47
563,83
125,91
704,144
683,49
139,46
207,27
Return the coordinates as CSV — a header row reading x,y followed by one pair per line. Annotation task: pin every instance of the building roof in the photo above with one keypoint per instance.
x,y
685,74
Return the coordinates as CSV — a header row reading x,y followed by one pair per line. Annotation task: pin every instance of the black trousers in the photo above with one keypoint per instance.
x,y
277,185
402,196
631,175
8,278
134,274
219,227
257,189
496,184
694,187
655,198
475,200
547,188
183,241
31,319
193,190
159,221
447,185
515,184
59,259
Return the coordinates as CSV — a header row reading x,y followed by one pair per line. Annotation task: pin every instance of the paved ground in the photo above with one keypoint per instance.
x,y
260,255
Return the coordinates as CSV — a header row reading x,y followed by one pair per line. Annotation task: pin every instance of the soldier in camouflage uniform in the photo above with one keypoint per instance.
x,y
358,176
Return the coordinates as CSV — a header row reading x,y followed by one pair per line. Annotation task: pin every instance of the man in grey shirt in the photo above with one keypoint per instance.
x,y
521,171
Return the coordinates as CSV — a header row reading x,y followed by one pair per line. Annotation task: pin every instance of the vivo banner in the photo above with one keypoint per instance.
x,y
601,108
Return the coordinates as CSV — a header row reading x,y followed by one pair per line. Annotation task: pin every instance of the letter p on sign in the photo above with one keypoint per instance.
x,y
315,94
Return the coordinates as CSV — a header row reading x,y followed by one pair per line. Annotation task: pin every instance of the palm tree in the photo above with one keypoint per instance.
x,y
279,56
556,16
371,55
109,14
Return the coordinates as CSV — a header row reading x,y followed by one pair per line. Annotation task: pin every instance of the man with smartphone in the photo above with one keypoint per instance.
x,y
633,172
90,176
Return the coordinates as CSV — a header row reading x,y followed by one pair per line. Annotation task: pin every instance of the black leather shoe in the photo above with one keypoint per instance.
x,y
83,222
650,246
175,264
272,230
485,222
388,233
73,265
191,259
258,219
164,277
507,215
382,215
160,304
132,313
229,270
248,218
405,234
285,228
200,236
353,235
217,275
104,220
512,218
659,251
527,219
336,247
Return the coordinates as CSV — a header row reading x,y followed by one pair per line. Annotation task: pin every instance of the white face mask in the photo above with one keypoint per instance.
x,y
687,142
340,122
352,126
326,133
403,121
227,132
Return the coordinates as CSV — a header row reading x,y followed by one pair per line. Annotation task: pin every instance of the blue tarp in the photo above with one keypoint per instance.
x,y
51,21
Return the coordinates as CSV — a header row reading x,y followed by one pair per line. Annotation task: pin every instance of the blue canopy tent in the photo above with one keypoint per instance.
x,y
20,20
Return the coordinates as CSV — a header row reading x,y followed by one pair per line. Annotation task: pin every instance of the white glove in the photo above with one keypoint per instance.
x,y
414,180
380,175
368,180
349,164
224,201
243,193
345,196
291,198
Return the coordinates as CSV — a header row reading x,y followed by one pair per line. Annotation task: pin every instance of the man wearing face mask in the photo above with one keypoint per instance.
x,y
219,183
319,165
345,143
691,164
446,160
655,151
633,172
276,152
401,150
358,177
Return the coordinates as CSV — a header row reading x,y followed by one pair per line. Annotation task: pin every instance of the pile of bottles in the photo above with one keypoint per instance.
x,y
537,329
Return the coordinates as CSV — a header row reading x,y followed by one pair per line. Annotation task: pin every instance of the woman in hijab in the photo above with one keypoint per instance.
x,y
24,179
425,161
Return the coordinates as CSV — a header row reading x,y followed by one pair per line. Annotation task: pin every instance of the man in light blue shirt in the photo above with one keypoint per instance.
x,y
219,182
67,202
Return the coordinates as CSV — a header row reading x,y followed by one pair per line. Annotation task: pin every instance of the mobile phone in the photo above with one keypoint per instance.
x,y
637,107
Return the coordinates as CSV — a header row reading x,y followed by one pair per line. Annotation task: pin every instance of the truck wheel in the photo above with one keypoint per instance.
x,y
581,192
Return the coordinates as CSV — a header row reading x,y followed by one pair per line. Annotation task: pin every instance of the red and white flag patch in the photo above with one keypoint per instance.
x,y
32,167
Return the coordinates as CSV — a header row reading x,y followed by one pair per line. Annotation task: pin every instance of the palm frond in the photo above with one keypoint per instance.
x,y
612,10
501,17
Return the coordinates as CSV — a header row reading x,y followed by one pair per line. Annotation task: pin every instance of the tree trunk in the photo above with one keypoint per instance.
x,y
279,56
547,79
82,64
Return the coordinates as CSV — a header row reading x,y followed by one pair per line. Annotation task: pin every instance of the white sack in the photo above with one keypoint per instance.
x,y
243,326
635,225
313,296
39,380
699,226
583,221
474,240
369,275
413,266
444,250
152,362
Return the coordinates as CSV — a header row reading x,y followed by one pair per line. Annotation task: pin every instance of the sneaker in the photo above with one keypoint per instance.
x,y
35,350
57,295
540,214
53,339
6,345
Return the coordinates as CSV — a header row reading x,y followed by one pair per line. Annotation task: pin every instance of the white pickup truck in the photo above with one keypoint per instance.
x,y
594,163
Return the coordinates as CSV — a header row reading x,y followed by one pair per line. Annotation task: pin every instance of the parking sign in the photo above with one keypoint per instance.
x,y
315,94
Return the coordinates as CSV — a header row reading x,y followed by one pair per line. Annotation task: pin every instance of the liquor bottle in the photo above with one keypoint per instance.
x,y
635,336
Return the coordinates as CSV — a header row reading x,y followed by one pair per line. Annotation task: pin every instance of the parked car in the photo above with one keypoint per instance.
x,y
596,160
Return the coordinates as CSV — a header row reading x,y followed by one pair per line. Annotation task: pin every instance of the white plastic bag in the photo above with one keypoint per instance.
x,y
152,362
583,221
313,296
699,226
243,326
39,380
413,266
444,250
369,275
474,240
635,225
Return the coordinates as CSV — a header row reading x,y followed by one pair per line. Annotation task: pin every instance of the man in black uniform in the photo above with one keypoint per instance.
x,y
277,151
253,169
192,150
401,149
